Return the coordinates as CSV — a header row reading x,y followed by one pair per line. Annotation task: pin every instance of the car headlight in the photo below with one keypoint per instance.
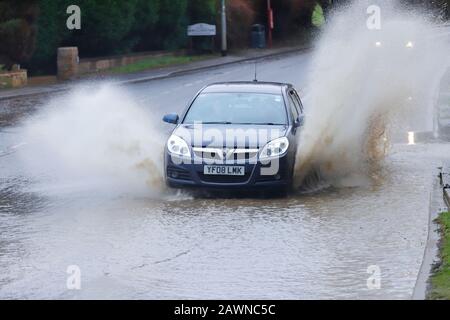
x,y
410,44
178,146
274,148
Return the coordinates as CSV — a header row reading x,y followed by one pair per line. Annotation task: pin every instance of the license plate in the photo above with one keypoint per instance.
x,y
224,170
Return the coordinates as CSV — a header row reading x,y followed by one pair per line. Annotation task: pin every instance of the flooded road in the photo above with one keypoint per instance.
x,y
130,242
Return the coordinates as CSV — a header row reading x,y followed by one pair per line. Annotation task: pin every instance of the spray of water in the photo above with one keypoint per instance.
x,y
93,136
365,84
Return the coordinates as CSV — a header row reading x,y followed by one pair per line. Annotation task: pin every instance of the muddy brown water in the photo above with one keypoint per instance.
x,y
135,244
132,246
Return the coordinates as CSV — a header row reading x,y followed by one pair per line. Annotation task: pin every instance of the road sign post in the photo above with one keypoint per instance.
x,y
270,23
202,30
224,29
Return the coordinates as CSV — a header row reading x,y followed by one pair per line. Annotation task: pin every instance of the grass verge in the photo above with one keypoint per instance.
x,y
440,280
157,62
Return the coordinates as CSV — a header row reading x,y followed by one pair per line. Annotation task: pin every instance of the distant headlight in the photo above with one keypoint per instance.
x,y
178,146
378,44
274,148
410,44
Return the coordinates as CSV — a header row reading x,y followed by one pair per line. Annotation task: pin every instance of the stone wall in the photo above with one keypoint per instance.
x,y
13,79
67,63
94,65
70,66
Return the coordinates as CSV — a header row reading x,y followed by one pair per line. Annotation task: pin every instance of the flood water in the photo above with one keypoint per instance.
x,y
305,246
129,243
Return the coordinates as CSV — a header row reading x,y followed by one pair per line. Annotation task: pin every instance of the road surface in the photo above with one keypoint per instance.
x,y
138,245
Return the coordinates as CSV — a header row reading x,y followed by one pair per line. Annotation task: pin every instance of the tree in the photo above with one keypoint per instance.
x,y
293,15
50,32
17,31
202,11
241,14
171,28
105,25
109,27
145,21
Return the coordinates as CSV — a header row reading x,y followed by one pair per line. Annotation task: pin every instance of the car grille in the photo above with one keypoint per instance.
x,y
224,154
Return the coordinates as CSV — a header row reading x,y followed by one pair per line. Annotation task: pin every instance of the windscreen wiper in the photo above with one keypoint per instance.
x,y
217,122
263,124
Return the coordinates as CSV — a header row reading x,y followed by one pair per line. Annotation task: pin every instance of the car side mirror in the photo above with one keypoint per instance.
x,y
300,121
171,118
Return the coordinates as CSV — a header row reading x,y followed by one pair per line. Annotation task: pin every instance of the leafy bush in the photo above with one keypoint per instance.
x,y
117,26
49,35
112,27
17,31
145,20
105,25
241,14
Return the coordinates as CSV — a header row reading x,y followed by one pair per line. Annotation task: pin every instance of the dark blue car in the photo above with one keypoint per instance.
x,y
235,135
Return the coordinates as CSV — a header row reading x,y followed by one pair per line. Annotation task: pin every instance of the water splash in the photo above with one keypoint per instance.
x,y
95,136
365,87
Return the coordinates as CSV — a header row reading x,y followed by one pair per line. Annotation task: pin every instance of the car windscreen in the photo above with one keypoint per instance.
x,y
237,108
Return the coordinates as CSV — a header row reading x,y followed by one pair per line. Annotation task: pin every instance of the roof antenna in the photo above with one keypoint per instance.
x,y
256,71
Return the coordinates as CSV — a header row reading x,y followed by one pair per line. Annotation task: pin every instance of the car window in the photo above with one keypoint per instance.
x,y
296,103
238,108
299,101
293,107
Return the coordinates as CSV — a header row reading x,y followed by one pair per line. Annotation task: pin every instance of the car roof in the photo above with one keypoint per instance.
x,y
246,86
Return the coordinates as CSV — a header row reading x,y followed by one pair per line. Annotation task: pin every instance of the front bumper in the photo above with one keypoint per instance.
x,y
190,175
